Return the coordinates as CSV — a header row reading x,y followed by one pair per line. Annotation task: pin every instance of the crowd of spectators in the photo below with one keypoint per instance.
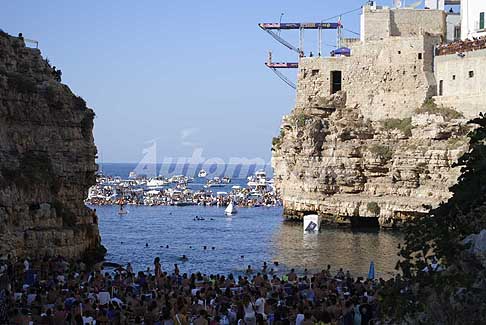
x,y
58,291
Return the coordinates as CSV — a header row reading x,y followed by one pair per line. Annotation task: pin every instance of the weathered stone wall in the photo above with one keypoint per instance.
x,y
47,159
462,91
379,76
381,23
329,159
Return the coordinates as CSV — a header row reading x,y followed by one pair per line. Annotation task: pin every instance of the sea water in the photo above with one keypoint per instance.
x,y
252,236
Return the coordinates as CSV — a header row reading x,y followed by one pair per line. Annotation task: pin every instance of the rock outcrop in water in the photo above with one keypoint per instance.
x,y
47,159
332,161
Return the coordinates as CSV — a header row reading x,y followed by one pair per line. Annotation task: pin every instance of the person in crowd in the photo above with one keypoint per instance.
x,y
62,291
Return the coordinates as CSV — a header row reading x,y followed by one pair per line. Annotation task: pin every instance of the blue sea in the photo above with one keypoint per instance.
x,y
252,236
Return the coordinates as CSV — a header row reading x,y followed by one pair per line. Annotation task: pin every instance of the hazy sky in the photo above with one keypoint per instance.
x,y
184,73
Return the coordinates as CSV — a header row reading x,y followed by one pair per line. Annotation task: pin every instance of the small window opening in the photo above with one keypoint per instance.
x,y
441,87
314,72
399,52
453,77
420,56
471,74
336,78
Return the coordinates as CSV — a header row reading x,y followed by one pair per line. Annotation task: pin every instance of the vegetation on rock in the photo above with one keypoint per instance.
x,y
277,141
373,208
300,119
381,151
404,125
430,107
455,294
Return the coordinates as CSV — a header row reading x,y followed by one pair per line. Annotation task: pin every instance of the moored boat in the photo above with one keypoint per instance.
x,y
230,209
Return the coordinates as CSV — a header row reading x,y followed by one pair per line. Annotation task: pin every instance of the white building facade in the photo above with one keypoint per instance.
x,y
473,18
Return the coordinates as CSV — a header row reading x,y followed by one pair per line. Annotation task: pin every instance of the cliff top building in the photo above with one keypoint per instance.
x,y
471,12
365,143
393,67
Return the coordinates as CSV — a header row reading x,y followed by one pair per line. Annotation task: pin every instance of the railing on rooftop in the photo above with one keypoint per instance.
x,y
32,42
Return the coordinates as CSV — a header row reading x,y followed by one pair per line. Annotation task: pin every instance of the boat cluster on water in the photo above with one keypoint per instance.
x,y
182,191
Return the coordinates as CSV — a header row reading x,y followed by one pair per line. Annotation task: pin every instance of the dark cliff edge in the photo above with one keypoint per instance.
x,y
47,160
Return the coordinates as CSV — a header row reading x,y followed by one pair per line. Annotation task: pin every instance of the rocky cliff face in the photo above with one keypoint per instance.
x,y
332,161
47,159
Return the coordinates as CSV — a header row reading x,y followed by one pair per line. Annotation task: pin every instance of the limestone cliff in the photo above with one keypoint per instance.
x,y
47,159
331,160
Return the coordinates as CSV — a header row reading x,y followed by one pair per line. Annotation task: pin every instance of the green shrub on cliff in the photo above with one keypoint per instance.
x,y
404,125
381,151
456,294
300,119
430,107
374,208
277,141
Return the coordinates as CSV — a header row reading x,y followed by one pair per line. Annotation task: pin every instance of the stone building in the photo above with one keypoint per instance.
x,y
461,81
365,143
391,68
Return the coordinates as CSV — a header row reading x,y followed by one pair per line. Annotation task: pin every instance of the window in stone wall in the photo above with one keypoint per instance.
x,y
453,77
471,74
399,52
481,20
420,56
315,72
336,79
441,87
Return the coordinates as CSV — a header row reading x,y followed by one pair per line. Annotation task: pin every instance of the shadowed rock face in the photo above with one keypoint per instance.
x,y
47,159
332,161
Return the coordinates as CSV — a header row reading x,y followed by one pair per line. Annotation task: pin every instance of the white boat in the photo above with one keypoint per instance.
x,y
226,180
202,173
215,182
259,180
154,184
260,174
230,209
